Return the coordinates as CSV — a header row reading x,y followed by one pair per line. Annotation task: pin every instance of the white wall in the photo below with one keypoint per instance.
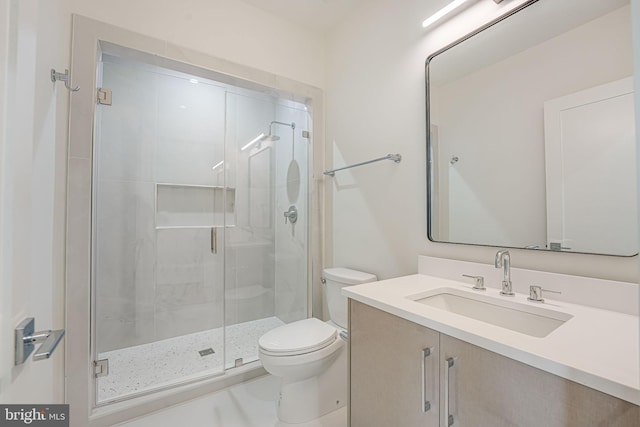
x,y
5,289
35,37
376,105
225,29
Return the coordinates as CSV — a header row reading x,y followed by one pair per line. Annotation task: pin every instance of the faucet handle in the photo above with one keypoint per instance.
x,y
479,286
291,215
535,293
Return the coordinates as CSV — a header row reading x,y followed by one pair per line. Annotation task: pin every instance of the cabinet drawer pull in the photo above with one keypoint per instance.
x,y
450,361
426,404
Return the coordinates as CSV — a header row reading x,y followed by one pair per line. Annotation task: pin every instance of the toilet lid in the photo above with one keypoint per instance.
x,y
303,336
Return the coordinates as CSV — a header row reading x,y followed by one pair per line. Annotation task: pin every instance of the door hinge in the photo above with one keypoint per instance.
x,y
104,96
101,368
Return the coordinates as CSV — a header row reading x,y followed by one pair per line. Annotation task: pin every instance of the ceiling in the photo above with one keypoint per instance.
x,y
319,15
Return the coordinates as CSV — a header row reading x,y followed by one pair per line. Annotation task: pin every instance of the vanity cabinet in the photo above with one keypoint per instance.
x,y
467,386
393,366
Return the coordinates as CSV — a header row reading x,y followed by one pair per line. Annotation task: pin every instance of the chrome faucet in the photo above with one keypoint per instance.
x,y
503,260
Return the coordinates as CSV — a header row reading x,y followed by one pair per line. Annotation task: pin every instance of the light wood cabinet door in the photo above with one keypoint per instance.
x,y
485,389
391,375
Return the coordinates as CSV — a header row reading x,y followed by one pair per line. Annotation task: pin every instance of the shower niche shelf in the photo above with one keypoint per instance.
x,y
194,206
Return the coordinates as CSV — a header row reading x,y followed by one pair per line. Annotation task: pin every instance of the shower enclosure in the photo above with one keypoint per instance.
x,y
200,225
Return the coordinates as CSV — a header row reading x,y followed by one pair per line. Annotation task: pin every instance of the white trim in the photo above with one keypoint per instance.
x,y
635,37
5,283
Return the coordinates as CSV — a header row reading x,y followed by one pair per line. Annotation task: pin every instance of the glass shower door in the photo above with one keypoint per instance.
x,y
200,226
266,280
159,216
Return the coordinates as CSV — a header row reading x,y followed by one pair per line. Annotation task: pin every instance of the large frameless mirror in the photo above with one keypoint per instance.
x,y
531,140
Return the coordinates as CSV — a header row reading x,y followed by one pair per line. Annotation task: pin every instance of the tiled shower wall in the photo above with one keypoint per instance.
x,y
154,283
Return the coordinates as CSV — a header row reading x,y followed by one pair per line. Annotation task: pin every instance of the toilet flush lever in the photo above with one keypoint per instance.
x,y
291,215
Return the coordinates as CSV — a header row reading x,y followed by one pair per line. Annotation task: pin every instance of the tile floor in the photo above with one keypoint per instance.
x,y
145,367
250,404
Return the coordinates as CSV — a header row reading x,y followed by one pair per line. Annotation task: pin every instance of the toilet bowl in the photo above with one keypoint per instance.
x,y
310,372
310,357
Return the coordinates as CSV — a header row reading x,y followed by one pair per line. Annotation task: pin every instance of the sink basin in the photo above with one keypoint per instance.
x,y
534,321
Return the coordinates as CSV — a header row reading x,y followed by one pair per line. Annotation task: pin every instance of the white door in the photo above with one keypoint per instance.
x,y
33,120
591,170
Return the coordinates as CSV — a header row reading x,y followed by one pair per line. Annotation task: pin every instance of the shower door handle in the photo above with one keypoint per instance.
x,y
214,240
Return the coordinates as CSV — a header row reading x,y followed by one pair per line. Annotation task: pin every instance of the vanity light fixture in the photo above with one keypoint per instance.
x,y
443,12
253,141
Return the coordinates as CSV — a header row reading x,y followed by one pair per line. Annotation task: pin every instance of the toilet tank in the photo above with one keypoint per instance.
x,y
335,280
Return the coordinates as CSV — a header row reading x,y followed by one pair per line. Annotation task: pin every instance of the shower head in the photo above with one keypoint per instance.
x,y
271,136
292,125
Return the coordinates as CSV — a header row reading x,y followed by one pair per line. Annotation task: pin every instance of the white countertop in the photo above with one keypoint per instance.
x,y
596,347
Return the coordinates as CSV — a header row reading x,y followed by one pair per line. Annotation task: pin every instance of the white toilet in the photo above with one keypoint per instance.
x,y
310,356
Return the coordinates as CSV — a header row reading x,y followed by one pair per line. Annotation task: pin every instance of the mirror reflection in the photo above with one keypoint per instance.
x,y
532,135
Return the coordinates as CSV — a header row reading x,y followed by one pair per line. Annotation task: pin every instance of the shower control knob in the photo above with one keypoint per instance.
x,y
291,215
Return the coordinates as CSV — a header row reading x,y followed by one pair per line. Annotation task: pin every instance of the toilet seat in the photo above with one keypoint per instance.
x,y
301,337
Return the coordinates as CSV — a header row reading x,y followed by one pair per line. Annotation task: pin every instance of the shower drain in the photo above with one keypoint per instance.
x,y
206,352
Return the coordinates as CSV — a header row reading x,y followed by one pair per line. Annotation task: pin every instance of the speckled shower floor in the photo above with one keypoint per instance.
x,y
148,366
